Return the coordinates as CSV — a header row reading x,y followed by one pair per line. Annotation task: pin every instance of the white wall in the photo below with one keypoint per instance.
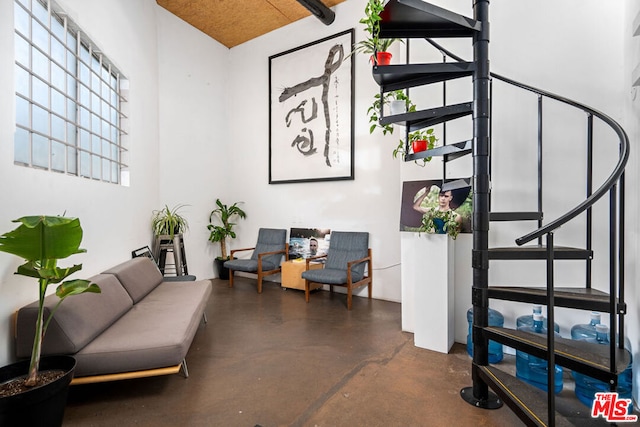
x,y
115,218
193,139
369,203
631,123
590,67
199,130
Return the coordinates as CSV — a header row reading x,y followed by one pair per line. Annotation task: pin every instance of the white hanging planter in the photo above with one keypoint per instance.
x,y
397,107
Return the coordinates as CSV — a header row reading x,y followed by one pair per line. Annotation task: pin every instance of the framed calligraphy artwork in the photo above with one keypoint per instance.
x,y
311,112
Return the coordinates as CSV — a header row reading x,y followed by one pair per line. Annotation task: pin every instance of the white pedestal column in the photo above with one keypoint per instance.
x,y
428,289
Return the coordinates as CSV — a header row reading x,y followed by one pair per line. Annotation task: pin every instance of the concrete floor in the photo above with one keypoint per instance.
x,y
273,360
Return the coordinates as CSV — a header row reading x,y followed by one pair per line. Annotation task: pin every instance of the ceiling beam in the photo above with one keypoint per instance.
x,y
319,10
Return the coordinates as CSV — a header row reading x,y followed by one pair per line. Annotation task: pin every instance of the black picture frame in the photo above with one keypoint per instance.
x,y
311,99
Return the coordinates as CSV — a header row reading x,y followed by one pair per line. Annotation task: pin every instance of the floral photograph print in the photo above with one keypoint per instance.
x,y
311,112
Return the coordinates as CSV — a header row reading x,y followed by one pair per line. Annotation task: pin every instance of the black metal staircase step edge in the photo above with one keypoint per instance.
x,y
530,403
449,151
581,356
526,401
578,298
424,118
402,76
416,18
534,252
515,216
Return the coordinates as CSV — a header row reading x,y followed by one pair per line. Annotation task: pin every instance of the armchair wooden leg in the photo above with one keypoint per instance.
x,y
260,275
349,297
370,289
231,278
306,290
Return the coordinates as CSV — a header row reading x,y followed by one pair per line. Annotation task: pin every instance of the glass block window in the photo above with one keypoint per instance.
x,y
68,97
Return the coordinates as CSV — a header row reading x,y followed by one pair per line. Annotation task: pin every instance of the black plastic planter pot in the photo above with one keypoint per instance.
x,y
223,272
42,406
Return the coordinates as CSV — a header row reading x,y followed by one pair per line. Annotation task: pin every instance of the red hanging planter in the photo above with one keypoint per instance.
x,y
382,58
419,145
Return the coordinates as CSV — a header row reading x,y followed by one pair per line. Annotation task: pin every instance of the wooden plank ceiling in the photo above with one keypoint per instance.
x,y
232,22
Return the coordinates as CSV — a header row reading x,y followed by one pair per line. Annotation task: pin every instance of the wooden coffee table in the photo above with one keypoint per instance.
x,y
292,271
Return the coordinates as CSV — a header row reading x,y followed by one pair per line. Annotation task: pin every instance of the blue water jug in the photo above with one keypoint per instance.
x,y
533,370
527,320
587,387
495,349
588,330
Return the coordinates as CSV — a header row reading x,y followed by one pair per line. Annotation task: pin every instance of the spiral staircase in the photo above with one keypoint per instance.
x,y
416,19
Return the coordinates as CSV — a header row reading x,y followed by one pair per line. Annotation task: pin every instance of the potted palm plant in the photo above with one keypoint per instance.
x,y
374,46
225,214
31,397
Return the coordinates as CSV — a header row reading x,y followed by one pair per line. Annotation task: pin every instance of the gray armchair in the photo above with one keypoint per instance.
x,y
266,258
345,264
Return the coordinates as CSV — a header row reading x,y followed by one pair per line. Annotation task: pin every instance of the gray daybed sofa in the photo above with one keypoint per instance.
x,y
138,326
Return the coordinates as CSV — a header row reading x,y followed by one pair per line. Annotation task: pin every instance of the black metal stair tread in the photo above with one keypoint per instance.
x,y
425,118
579,298
515,216
530,404
533,252
449,151
527,402
402,76
416,18
581,356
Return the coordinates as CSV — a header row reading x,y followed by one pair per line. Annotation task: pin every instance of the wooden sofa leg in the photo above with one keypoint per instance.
x,y
349,298
231,278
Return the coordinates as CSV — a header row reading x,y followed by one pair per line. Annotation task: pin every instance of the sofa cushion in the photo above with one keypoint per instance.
x,y
79,319
138,276
155,333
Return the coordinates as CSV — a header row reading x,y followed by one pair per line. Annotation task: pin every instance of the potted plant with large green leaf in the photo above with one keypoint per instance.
x,y
42,241
225,214
374,46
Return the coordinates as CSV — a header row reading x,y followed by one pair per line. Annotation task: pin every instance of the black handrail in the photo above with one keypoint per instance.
x,y
597,194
